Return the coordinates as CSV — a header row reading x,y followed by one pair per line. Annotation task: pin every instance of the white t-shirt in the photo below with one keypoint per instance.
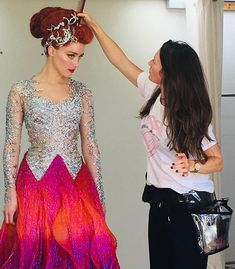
x,y
159,157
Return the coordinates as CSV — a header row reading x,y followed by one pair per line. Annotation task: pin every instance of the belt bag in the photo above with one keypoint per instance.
x,y
212,224
211,217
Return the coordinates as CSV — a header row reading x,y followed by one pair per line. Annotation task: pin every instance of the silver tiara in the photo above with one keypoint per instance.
x,y
68,33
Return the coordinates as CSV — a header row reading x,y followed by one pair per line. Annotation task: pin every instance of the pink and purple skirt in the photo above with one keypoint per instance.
x,y
60,223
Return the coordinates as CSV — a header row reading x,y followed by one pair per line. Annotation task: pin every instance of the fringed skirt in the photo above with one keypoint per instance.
x,y
60,223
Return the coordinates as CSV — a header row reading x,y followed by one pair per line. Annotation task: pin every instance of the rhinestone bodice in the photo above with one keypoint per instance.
x,y
53,129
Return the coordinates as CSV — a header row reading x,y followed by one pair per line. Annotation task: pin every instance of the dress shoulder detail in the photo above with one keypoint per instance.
x,y
23,88
80,88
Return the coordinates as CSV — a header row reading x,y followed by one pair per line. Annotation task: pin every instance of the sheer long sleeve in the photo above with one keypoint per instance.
x,y
90,148
14,120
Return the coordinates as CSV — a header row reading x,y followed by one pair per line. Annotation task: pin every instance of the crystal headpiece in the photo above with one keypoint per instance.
x,y
68,33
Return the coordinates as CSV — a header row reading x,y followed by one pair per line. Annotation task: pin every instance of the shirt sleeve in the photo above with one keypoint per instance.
x,y
89,144
11,152
145,86
206,144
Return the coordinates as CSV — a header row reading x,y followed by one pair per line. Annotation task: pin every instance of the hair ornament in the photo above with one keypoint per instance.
x,y
68,33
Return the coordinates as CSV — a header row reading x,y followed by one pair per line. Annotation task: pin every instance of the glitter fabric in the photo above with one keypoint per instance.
x,y
53,129
60,223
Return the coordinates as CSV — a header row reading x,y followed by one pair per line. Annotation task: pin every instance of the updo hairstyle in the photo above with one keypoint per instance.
x,y
42,22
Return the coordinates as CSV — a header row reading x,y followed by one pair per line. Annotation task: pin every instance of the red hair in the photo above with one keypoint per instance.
x,y
42,21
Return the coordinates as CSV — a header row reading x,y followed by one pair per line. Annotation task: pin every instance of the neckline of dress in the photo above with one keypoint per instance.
x,y
34,82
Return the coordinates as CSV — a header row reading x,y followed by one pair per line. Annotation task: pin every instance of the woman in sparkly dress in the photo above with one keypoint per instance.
x,y
54,213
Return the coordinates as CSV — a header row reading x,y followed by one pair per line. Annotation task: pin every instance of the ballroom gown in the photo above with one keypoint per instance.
x,y
60,220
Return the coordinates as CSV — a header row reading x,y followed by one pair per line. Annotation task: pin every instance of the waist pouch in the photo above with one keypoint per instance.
x,y
211,217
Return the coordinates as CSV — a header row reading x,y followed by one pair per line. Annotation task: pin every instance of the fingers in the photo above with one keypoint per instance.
x,y
5,217
181,165
82,18
85,18
83,15
79,14
9,216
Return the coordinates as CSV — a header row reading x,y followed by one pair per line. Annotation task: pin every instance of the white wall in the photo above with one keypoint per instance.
x,y
228,121
140,27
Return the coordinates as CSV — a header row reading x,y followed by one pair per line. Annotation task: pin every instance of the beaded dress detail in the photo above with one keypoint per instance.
x,y
60,220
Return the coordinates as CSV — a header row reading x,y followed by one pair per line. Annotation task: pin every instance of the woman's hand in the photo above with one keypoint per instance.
x,y
213,164
10,207
87,19
181,165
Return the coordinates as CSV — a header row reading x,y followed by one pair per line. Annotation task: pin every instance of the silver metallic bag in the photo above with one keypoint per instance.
x,y
212,226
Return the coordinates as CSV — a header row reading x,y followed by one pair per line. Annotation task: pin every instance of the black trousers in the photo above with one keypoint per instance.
x,y
172,237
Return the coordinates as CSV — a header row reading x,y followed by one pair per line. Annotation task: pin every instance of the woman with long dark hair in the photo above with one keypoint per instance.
x,y
181,148
54,213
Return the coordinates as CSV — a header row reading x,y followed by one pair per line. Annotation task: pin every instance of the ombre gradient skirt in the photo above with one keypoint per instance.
x,y
60,223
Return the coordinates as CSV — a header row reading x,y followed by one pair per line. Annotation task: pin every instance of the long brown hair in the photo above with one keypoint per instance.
x,y
187,111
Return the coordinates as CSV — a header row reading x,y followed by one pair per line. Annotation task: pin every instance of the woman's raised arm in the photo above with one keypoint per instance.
x,y
114,53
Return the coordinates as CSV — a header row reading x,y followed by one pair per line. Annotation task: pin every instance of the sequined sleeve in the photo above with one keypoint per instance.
x,y
14,119
90,148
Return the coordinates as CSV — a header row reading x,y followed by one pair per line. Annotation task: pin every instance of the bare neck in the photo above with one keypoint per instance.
x,y
49,75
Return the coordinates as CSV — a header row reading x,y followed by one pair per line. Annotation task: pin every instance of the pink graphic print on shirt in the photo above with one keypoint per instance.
x,y
151,130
